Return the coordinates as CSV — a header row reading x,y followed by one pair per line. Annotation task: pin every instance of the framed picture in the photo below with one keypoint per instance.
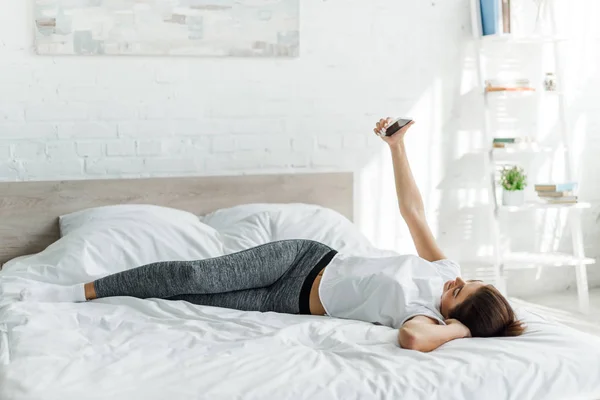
x,y
237,28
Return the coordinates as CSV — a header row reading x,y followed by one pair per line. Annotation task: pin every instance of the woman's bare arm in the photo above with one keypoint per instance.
x,y
424,334
409,197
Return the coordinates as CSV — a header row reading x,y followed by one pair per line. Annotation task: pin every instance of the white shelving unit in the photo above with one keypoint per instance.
x,y
503,261
508,38
539,205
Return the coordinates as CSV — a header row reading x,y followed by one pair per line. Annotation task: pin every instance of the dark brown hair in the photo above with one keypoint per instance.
x,y
487,313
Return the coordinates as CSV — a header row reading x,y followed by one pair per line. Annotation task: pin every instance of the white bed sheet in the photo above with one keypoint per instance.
x,y
125,348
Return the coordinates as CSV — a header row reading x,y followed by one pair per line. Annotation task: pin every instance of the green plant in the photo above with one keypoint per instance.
x,y
513,178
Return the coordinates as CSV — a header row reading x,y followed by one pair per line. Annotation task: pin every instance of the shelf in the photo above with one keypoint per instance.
x,y
523,260
507,94
526,260
522,148
508,38
541,206
554,93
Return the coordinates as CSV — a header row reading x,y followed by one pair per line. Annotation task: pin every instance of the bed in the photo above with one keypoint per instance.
x,y
125,348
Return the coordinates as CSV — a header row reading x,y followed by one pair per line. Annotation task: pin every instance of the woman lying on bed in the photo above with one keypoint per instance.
x,y
424,296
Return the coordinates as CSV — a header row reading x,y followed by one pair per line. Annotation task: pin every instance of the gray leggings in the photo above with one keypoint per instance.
x,y
275,277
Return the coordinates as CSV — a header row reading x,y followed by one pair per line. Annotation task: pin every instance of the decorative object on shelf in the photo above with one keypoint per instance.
x,y
513,181
557,193
550,82
516,85
247,28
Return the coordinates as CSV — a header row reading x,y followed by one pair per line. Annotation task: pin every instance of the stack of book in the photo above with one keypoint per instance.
x,y
557,193
513,85
490,17
507,143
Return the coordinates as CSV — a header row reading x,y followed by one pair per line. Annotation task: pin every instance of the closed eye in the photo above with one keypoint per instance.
x,y
460,288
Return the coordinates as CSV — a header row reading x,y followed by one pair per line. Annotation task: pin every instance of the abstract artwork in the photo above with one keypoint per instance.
x,y
237,28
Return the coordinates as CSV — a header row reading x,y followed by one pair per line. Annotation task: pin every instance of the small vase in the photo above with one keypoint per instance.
x,y
513,197
550,82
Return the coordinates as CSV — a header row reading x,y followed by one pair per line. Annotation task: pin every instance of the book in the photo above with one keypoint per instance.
x,y
555,194
561,200
506,16
501,145
512,85
506,140
518,82
491,17
556,187
514,143
508,89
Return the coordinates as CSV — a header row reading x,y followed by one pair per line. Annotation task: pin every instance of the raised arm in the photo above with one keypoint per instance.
x,y
424,334
409,197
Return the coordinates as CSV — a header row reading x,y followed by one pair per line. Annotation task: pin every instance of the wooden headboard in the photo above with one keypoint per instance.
x,y
29,211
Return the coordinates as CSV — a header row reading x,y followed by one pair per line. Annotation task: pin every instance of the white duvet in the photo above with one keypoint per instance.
x,y
125,348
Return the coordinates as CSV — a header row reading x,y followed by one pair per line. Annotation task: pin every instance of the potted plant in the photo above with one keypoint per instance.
x,y
513,181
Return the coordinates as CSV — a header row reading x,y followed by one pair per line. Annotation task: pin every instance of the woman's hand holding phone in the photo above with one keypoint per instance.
x,y
383,124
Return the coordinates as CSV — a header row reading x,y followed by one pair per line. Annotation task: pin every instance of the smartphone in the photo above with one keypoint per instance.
x,y
397,125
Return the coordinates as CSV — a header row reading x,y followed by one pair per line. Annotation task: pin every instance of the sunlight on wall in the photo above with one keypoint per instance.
x,y
433,170
378,216
378,213
578,143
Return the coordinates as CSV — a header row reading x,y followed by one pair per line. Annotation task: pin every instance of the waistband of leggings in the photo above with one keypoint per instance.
x,y
310,279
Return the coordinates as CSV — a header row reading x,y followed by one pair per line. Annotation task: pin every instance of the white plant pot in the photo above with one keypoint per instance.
x,y
513,197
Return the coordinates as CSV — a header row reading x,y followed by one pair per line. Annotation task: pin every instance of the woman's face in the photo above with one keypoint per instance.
x,y
457,291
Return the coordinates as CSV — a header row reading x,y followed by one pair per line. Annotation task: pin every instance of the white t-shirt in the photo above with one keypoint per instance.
x,y
387,290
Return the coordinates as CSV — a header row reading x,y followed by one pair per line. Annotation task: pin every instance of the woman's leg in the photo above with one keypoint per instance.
x,y
288,294
257,267
253,268
243,300
265,278
249,269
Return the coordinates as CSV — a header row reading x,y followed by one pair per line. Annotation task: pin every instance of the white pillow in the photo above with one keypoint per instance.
x,y
98,242
120,213
226,217
304,222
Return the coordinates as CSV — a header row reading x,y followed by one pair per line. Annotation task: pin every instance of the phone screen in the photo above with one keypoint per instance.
x,y
396,126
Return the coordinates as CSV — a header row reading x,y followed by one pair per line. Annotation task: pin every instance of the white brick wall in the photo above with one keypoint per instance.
x,y
148,147
85,149
30,150
116,148
5,153
81,130
78,117
29,130
56,111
